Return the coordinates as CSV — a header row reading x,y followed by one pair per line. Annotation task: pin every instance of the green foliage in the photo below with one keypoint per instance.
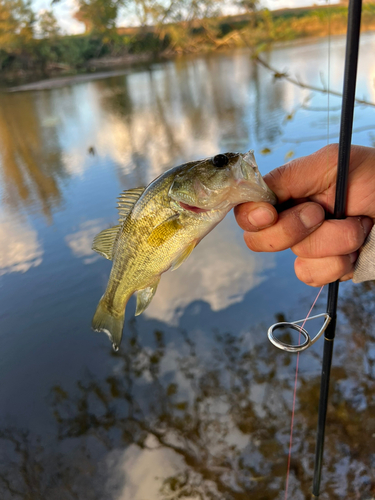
x,y
48,25
16,25
146,42
178,26
99,16
73,51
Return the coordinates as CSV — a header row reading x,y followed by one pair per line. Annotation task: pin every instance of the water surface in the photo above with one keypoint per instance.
x,y
197,403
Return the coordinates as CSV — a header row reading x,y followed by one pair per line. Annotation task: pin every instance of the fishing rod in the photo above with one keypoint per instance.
x,y
346,127
330,317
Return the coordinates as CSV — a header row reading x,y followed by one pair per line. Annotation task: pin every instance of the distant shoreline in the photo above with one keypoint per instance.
x,y
64,81
58,61
128,65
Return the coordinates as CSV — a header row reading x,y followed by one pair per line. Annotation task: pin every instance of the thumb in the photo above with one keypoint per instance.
x,y
306,176
253,216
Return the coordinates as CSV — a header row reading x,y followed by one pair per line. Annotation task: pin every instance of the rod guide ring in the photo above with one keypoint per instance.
x,y
294,325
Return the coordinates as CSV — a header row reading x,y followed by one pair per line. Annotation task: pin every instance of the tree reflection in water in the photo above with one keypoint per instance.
x,y
31,171
225,418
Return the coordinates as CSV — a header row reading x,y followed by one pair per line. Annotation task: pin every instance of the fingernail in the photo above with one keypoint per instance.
x,y
261,217
353,257
311,216
366,224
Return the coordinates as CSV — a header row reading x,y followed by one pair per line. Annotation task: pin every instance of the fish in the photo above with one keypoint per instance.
x,y
161,224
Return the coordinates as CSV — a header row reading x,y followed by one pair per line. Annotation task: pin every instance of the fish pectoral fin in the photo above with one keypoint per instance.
x,y
104,241
164,231
145,296
183,256
127,200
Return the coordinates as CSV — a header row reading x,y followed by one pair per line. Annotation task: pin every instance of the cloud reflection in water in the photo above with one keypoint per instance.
x,y
20,248
80,242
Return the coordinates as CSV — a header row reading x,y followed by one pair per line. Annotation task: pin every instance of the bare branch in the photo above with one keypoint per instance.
x,y
299,83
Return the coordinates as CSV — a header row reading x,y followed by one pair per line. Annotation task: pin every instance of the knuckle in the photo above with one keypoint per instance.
x,y
309,247
331,148
303,271
317,272
354,235
344,266
338,267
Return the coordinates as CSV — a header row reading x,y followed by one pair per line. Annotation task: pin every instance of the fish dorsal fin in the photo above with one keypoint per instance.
x,y
104,241
183,256
127,200
144,296
164,231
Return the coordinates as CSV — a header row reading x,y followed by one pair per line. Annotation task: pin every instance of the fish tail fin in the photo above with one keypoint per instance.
x,y
106,321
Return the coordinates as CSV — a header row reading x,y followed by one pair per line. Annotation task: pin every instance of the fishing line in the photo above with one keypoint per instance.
x,y
294,398
341,192
321,289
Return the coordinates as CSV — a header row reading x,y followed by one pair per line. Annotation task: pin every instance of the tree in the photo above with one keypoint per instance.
x,y
48,25
16,25
248,5
98,15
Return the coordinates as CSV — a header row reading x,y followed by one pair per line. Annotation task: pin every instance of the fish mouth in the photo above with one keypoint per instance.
x,y
249,177
191,208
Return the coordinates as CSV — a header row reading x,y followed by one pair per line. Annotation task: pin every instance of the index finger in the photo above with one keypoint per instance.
x,y
293,226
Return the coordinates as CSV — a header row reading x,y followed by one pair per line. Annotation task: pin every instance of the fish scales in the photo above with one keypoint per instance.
x,y
161,225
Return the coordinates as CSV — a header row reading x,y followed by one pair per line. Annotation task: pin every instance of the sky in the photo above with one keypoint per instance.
x,y
64,9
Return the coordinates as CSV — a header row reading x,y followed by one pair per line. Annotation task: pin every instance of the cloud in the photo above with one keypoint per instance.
x,y
80,242
143,470
20,249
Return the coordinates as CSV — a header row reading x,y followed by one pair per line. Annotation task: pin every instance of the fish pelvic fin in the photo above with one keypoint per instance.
x,y
106,321
145,296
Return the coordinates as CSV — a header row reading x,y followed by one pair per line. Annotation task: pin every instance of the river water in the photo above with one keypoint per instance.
x,y
197,403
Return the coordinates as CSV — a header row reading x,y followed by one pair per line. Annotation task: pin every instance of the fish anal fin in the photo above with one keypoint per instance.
x,y
104,241
164,231
145,296
183,256
127,200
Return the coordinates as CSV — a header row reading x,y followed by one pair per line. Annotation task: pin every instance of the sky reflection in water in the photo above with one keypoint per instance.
x,y
197,402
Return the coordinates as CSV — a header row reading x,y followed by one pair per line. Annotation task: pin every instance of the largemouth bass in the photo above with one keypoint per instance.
x,y
160,225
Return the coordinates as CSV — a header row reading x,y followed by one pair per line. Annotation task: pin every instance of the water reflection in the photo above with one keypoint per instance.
x,y
20,248
25,161
197,403
167,424
80,242
189,107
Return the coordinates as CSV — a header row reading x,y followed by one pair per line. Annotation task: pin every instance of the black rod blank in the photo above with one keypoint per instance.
x,y
346,127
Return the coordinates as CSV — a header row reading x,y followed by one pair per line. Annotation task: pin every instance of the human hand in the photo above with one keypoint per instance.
x,y
326,249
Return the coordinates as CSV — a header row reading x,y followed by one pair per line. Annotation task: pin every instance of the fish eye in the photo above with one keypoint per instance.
x,y
220,161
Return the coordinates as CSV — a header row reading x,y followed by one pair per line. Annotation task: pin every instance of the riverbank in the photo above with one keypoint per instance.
x,y
65,80
126,67
133,46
